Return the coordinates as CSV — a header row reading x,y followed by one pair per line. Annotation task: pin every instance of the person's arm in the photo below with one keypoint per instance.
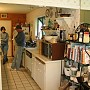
x,y
19,38
7,37
15,33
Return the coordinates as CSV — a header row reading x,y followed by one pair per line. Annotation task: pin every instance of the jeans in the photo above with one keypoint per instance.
x,y
4,48
17,57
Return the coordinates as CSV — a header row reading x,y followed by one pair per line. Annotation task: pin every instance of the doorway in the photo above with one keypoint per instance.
x,y
7,25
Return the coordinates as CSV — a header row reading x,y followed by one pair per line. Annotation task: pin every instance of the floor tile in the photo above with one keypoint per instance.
x,y
18,83
33,84
25,82
4,87
36,87
12,86
11,81
19,86
17,80
21,89
26,85
12,89
29,88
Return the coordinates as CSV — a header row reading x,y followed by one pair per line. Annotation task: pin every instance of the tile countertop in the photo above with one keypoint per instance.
x,y
35,52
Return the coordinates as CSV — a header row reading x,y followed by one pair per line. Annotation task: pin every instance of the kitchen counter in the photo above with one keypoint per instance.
x,y
45,72
44,59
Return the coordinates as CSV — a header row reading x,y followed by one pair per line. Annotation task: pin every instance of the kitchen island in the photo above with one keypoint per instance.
x,y
44,71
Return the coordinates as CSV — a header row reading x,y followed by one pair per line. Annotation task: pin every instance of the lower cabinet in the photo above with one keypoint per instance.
x,y
38,72
28,60
46,75
33,72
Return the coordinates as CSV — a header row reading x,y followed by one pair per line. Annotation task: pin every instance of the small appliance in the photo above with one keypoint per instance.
x,y
62,35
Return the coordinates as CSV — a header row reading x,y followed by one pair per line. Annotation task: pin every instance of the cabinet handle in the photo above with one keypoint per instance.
x,y
39,60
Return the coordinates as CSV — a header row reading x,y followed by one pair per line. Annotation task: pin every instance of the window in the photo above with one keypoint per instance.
x,y
40,23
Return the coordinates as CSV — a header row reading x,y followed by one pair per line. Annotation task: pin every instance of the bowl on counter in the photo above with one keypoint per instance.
x,y
55,37
49,38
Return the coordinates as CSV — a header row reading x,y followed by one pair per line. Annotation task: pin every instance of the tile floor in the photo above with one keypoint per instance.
x,y
17,80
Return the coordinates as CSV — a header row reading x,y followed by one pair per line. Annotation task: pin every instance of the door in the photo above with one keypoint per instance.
x,y
7,25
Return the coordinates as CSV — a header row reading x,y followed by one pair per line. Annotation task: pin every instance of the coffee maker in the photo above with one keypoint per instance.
x,y
62,35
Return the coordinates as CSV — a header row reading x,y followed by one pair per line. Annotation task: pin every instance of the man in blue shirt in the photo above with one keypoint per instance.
x,y
20,42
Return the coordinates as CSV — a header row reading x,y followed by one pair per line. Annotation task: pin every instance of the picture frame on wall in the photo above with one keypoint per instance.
x,y
4,15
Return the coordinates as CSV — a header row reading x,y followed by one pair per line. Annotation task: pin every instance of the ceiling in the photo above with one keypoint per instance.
x,y
16,8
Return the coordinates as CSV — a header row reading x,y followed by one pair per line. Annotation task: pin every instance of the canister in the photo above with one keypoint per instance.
x,y
86,37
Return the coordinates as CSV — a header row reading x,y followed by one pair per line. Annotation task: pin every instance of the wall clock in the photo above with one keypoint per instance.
x,y
47,13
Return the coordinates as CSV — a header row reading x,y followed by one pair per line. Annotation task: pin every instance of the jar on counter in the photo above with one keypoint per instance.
x,y
80,36
76,36
71,36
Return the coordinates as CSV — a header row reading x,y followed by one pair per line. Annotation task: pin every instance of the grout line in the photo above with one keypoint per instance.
x,y
27,79
6,76
17,72
13,80
20,79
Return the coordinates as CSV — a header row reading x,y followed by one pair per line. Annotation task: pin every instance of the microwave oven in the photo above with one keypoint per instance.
x,y
53,51
46,49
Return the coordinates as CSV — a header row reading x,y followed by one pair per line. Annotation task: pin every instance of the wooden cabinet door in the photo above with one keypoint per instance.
x,y
33,72
41,75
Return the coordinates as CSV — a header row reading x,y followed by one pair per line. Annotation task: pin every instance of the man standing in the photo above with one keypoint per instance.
x,y
20,42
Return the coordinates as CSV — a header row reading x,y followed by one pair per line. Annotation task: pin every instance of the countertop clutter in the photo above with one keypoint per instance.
x,y
36,53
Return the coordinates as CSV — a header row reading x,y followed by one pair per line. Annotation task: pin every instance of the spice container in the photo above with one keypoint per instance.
x,y
86,37
71,36
80,36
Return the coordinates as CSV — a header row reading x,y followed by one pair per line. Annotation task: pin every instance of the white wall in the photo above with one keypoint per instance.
x,y
75,14
85,4
32,18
